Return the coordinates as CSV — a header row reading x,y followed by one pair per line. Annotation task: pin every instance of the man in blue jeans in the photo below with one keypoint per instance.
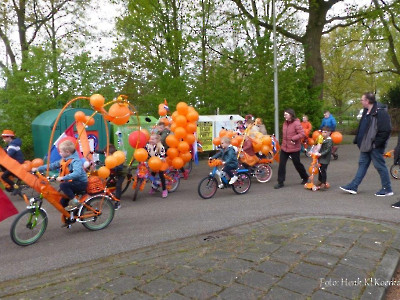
x,y
372,135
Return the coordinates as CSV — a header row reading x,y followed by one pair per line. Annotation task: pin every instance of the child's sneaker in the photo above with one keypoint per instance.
x,y
152,191
221,186
233,179
164,193
74,204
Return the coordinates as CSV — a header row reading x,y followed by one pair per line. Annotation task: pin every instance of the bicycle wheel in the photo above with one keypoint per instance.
x,y
263,173
127,182
28,227
394,171
102,204
242,185
137,188
207,187
172,180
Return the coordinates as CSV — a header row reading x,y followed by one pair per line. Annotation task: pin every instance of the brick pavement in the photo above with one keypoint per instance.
x,y
285,257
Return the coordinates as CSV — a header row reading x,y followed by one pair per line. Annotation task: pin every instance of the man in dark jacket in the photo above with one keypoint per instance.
x,y
372,135
14,151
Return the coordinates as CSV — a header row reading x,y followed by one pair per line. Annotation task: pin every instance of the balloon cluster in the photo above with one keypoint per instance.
x,y
111,161
336,137
81,117
261,143
179,141
35,163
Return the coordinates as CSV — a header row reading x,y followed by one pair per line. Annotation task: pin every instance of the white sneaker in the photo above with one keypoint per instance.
x,y
233,179
221,186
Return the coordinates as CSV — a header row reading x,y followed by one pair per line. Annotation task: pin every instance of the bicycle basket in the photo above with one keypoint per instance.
x,y
95,185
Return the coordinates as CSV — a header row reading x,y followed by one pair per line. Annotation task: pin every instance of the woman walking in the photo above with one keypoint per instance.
x,y
292,134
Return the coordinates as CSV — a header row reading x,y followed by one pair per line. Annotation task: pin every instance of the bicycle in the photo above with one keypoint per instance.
x,y
143,175
262,170
208,186
95,212
395,168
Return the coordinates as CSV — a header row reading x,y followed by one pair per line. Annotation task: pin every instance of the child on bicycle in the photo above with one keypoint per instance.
x,y
154,147
73,176
229,158
14,151
324,156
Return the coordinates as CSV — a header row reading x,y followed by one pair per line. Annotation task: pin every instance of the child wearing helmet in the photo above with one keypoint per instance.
x,y
14,151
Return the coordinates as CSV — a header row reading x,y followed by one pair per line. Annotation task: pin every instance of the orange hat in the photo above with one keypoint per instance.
x,y
7,132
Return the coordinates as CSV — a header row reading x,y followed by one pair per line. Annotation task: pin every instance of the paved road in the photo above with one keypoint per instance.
x,y
152,220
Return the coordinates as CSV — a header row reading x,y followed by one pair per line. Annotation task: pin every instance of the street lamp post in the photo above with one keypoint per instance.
x,y
276,105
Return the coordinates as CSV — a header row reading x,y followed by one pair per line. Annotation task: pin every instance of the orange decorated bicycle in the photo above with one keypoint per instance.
x,y
97,204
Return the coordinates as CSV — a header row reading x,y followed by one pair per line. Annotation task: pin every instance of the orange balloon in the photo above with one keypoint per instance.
x,y
168,160
257,145
161,105
173,126
89,121
164,166
173,116
336,137
235,142
80,116
110,162
180,121
222,132
217,141
155,163
172,141
37,162
315,135
266,140
103,172
180,132
146,133
229,134
239,138
311,142
165,120
172,152
120,112
182,108
178,162
119,156
27,165
186,157
191,127
183,147
162,111
97,100
265,149
192,116
140,154
190,138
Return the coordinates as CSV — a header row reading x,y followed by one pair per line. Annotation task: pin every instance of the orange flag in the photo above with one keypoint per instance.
x,y
7,208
